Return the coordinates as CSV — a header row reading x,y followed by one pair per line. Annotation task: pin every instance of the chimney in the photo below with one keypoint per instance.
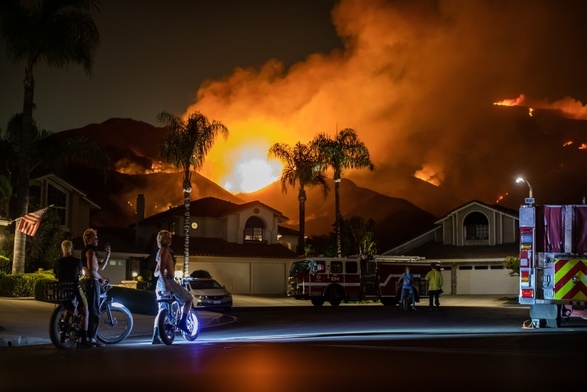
x,y
140,208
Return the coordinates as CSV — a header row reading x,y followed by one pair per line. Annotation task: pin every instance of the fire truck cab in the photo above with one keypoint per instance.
x,y
553,262
321,279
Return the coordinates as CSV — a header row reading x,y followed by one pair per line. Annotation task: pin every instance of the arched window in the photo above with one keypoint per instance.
x,y
476,227
254,229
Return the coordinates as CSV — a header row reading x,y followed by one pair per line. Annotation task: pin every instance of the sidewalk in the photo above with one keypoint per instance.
x,y
25,321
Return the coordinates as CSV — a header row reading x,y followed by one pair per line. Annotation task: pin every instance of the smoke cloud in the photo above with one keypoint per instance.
x,y
417,80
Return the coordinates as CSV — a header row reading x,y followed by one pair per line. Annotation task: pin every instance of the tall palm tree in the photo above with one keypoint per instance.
x,y
57,33
186,146
302,168
344,151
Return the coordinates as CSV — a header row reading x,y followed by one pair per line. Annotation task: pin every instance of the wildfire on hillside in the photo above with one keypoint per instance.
x,y
429,174
568,106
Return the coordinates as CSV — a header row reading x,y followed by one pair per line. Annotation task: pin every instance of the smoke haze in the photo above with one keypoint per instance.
x,y
418,81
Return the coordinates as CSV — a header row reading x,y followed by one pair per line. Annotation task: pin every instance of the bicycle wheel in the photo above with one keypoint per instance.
x,y
166,325
65,335
193,324
115,324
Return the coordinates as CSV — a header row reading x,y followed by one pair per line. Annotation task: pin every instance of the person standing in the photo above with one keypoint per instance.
x,y
434,279
406,281
94,281
164,272
68,270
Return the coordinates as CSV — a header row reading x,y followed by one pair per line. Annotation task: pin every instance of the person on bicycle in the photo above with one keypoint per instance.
x,y
68,270
165,271
406,280
93,282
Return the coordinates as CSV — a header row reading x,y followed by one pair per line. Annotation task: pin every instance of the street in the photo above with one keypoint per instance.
x,y
293,348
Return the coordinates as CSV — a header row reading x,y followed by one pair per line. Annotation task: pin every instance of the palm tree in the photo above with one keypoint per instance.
x,y
186,146
344,151
302,168
58,33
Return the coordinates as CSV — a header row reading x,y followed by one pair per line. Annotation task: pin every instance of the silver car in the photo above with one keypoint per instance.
x,y
209,294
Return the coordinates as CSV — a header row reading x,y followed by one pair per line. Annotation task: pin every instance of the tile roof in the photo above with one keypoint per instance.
x,y
211,207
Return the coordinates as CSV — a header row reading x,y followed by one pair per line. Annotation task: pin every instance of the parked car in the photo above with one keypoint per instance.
x,y
209,294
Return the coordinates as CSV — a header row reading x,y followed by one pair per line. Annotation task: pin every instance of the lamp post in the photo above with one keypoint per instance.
x,y
520,179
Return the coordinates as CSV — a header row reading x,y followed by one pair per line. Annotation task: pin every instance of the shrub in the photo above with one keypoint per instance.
x,y
513,264
5,264
22,285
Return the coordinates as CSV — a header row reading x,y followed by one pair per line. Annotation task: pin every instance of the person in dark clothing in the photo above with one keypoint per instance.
x,y
94,281
68,270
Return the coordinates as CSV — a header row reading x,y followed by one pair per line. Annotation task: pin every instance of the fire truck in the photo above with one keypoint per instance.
x,y
553,262
336,280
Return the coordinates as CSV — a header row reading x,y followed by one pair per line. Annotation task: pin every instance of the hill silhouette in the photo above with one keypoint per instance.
x,y
547,148
133,149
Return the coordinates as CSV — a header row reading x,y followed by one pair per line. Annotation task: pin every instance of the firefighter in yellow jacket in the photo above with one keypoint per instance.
x,y
434,279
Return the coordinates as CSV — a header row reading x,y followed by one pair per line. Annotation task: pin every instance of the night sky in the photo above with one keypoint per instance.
x,y
398,72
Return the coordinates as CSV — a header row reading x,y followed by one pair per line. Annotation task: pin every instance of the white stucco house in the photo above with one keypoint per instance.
x,y
241,245
470,243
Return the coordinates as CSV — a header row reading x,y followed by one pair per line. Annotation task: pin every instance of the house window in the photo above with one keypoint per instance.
x,y
254,229
476,227
59,200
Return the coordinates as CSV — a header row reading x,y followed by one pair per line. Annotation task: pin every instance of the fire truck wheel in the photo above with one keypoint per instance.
x,y
335,296
317,301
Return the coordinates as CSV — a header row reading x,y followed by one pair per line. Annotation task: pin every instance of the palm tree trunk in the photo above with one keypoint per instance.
x,y
24,169
338,216
301,249
186,231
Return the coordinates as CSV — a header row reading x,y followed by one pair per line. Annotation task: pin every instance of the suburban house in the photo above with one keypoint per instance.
x,y
74,208
72,205
470,244
241,245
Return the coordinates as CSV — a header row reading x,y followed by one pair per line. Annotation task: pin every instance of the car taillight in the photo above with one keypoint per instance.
x,y
527,293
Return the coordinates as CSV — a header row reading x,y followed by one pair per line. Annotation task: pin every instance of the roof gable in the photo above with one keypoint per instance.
x,y
213,208
482,206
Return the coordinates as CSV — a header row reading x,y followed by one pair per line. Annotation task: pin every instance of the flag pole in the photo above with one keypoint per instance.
x,y
34,212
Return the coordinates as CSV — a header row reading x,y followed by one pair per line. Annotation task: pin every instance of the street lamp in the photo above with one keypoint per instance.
x,y
520,179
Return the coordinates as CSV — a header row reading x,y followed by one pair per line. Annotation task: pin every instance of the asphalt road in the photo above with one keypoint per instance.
x,y
294,346
24,321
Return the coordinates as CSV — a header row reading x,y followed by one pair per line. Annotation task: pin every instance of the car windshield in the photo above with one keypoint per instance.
x,y
205,284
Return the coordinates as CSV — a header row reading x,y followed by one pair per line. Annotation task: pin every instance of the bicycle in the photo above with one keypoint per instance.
x,y
406,303
116,321
169,316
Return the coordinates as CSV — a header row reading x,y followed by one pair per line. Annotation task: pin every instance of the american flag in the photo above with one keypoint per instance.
x,y
29,224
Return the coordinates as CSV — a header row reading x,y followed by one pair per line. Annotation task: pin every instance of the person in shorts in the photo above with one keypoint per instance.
x,y
164,272
68,270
